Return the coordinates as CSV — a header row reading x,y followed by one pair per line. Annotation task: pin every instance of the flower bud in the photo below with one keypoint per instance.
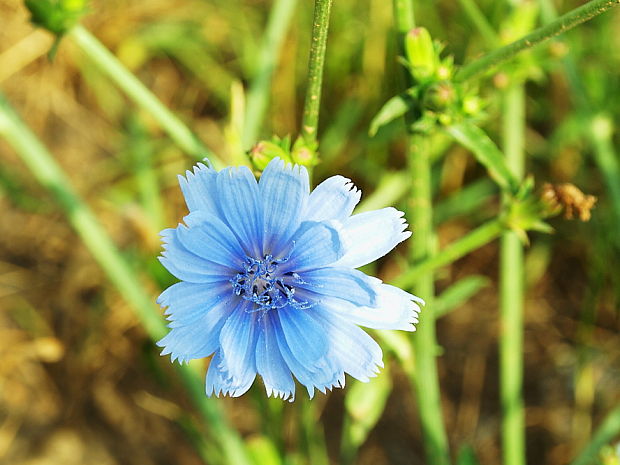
x,y
57,16
420,53
265,151
439,96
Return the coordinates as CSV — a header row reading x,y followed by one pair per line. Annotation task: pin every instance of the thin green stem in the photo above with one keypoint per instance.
x,y
260,88
511,291
479,237
108,64
312,105
425,379
476,16
47,172
560,25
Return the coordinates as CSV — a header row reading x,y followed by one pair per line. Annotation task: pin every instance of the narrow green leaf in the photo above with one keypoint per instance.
x,y
604,435
364,404
486,152
466,456
394,108
459,293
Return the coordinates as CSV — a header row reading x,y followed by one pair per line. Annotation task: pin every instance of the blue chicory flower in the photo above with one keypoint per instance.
x,y
269,284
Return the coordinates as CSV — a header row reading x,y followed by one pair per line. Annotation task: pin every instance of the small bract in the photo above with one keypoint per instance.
x,y
269,284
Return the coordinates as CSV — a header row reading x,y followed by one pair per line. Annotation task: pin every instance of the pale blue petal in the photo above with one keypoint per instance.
x,y
350,348
238,341
198,339
371,235
186,265
319,374
344,283
219,382
238,196
304,335
314,245
199,189
270,364
394,309
187,302
333,199
284,190
211,239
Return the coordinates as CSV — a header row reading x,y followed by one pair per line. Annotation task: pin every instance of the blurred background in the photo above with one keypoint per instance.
x,y
80,380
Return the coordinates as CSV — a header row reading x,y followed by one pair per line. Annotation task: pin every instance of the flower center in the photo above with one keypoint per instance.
x,y
261,283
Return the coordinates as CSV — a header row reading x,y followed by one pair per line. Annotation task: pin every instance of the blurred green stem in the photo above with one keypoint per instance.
x,y
260,88
562,24
47,172
476,16
511,291
480,236
108,64
320,26
425,379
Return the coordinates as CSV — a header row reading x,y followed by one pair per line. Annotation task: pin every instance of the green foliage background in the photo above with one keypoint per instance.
x,y
80,380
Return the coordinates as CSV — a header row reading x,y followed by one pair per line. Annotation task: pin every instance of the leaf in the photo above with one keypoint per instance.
x,y
466,456
486,152
364,404
459,293
394,108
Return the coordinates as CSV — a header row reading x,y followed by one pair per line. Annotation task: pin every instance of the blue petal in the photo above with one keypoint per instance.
x,y
198,339
187,302
238,342
371,235
187,266
319,374
240,204
220,383
284,191
270,364
314,245
210,238
344,283
350,348
394,309
199,189
335,198
304,335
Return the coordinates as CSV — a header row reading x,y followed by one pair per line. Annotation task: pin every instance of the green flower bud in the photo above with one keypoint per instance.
x,y
57,16
439,96
420,53
304,154
265,151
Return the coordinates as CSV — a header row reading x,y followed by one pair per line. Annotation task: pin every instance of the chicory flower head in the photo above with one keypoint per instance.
x,y
269,284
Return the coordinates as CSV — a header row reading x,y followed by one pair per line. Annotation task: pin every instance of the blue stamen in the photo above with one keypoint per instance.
x,y
260,283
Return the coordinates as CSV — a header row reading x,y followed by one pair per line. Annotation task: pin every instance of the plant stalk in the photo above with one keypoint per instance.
x,y
562,24
108,64
425,379
48,173
320,27
260,88
511,292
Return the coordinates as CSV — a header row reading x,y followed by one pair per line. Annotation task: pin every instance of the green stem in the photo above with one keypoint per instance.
x,y
260,88
47,172
511,293
480,236
320,26
480,22
560,25
425,379
108,64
